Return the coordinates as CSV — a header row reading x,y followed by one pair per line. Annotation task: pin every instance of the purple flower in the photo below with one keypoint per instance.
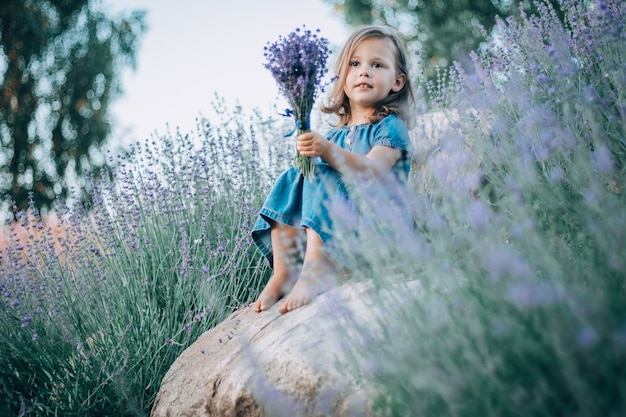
x,y
26,321
526,294
298,64
504,262
603,159
477,215
557,174
541,153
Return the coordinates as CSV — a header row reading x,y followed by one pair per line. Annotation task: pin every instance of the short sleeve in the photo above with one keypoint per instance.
x,y
392,132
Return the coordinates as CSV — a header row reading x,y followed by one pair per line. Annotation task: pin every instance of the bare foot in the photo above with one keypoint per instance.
x,y
318,274
300,295
306,288
276,287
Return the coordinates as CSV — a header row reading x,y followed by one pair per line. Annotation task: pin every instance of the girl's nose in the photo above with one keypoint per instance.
x,y
364,71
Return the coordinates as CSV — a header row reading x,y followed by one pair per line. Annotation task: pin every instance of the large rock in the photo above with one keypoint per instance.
x,y
268,364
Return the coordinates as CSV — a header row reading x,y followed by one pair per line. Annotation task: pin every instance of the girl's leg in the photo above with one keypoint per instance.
x,y
319,273
285,249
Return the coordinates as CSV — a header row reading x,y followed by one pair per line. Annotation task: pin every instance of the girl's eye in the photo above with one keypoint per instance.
x,y
377,65
354,63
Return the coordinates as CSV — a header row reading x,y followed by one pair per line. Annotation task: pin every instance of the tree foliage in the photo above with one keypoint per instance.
x,y
59,70
441,31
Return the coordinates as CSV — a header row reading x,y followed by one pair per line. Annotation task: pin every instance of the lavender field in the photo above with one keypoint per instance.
x,y
519,246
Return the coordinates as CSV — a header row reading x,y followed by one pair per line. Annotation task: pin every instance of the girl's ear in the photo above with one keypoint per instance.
x,y
399,84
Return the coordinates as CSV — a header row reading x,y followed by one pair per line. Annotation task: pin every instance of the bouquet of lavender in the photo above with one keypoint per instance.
x,y
298,64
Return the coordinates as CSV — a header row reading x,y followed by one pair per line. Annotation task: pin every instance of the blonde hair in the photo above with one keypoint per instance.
x,y
395,103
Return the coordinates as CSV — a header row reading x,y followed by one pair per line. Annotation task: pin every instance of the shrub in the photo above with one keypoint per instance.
x,y
98,302
520,220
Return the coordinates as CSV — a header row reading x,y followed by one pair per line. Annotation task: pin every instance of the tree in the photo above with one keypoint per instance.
x,y
59,70
441,31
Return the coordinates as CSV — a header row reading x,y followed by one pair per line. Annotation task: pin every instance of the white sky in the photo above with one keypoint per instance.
x,y
193,49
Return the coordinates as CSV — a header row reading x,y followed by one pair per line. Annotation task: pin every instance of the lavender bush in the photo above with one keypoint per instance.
x,y
95,306
298,64
520,254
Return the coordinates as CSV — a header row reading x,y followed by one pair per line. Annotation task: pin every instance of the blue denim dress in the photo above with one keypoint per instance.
x,y
303,202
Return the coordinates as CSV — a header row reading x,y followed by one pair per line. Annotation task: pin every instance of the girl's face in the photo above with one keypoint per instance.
x,y
371,75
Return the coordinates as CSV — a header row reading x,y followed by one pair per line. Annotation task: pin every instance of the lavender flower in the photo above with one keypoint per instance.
x,y
298,64
603,159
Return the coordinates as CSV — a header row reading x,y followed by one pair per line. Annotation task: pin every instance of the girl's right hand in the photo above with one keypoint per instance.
x,y
312,144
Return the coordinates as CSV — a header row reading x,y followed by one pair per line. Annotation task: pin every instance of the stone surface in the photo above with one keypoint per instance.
x,y
268,364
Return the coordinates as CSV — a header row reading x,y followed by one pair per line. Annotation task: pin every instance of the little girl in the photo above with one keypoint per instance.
x,y
294,229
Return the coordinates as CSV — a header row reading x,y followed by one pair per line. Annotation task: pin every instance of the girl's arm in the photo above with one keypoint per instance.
x,y
376,163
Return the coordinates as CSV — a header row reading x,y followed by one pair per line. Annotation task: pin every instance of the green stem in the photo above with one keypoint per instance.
x,y
304,163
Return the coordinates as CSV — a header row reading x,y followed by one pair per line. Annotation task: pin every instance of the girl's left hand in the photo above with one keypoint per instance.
x,y
312,144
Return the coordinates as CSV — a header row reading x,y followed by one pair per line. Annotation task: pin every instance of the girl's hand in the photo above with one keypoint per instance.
x,y
313,144
378,161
